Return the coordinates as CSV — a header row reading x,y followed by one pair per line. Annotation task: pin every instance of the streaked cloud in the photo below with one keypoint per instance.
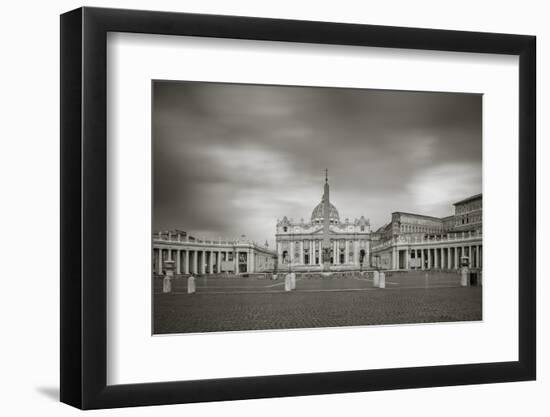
x,y
229,159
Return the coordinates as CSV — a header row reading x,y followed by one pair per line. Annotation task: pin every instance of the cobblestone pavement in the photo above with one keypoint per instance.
x,y
230,304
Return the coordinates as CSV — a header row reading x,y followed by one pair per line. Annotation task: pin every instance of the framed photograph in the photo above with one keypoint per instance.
x,y
257,208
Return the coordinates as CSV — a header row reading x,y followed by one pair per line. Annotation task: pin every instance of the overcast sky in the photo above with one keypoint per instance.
x,y
231,159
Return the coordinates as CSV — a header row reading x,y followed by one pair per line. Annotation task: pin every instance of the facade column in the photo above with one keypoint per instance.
x,y
429,258
335,252
279,252
311,253
356,252
236,261
421,258
186,262
219,262
346,253
480,252
291,252
449,258
302,261
407,259
169,255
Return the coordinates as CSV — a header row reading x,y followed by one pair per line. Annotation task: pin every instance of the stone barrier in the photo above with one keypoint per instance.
x,y
292,281
288,282
167,284
376,278
191,286
464,276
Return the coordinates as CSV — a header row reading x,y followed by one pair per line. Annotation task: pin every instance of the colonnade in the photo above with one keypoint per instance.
x,y
202,261
440,257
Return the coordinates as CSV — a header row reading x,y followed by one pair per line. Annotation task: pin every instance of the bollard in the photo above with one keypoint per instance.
x,y
292,281
167,284
191,287
169,267
382,283
288,282
376,277
274,276
464,276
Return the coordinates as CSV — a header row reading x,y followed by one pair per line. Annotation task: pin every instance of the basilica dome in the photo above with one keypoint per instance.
x,y
317,215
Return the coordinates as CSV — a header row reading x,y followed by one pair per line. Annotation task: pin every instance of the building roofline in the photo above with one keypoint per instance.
x,y
473,197
418,215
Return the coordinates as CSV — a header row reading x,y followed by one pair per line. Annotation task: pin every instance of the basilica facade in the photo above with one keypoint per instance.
x,y
325,243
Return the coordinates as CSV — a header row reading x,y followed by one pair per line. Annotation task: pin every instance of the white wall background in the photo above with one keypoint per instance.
x,y
29,175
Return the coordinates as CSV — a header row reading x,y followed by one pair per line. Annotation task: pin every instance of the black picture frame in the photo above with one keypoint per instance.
x,y
84,207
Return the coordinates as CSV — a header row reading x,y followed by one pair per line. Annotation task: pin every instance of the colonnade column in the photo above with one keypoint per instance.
x,y
456,257
236,261
186,262
302,252
248,260
159,262
178,262
311,252
195,262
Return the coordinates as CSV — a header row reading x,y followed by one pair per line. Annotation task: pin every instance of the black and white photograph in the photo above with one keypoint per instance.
x,y
299,207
